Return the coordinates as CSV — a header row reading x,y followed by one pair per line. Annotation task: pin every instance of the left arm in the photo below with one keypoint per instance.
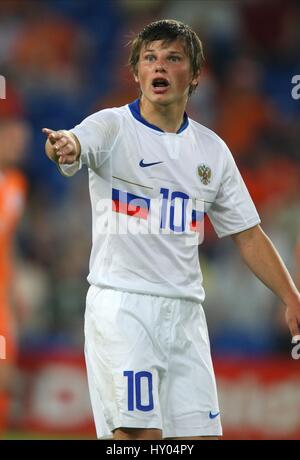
x,y
262,258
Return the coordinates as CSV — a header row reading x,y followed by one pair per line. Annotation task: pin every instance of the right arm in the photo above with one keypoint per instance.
x,y
88,143
62,147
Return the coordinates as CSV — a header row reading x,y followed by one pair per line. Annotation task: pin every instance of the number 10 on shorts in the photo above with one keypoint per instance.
x,y
137,381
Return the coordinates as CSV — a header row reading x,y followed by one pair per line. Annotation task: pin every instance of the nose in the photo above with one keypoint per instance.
x,y
160,67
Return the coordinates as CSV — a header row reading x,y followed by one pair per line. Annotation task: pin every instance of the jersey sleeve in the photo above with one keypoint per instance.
x,y
233,209
96,134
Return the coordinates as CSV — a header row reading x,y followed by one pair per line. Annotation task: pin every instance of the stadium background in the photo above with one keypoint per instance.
x,y
63,60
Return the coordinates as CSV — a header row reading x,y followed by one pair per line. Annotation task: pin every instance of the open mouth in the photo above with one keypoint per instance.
x,y
160,83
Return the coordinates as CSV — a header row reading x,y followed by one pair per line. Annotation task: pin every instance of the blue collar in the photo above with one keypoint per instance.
x,y
136,113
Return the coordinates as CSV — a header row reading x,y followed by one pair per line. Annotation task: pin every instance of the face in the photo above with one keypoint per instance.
x,y
164,72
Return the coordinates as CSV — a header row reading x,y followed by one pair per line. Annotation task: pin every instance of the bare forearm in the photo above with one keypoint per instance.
x,y
263,259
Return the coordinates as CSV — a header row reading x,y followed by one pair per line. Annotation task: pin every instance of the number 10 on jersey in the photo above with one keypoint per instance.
x,y
136,381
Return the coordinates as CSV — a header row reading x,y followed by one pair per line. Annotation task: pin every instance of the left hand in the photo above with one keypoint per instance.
x,y
292,317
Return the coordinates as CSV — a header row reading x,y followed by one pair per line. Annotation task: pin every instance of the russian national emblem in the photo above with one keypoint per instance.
x,y
204,174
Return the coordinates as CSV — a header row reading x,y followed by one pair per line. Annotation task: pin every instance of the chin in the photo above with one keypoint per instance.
x,y
163,99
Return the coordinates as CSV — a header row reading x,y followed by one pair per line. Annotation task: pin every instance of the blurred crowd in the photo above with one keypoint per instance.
x,y
65,59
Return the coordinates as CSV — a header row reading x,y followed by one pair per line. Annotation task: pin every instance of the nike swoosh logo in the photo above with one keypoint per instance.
x,y
211,415
145,165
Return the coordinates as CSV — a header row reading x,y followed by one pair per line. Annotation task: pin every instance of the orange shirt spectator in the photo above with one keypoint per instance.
x,y
12,197
242,113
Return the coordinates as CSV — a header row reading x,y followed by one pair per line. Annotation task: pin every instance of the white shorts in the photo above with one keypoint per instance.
x,y
149,365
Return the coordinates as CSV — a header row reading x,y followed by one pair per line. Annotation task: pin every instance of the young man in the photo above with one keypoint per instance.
x,y
147,348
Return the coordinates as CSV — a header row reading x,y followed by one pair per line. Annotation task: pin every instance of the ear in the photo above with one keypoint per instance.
x,y
136,77
196,79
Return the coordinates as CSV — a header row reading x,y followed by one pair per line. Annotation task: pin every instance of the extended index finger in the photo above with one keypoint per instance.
x,y
53,136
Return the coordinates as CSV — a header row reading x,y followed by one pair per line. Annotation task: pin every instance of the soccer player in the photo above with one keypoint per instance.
x,y
13,187
147,348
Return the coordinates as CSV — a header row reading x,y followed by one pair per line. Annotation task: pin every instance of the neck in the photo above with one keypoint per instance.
x,y
166,117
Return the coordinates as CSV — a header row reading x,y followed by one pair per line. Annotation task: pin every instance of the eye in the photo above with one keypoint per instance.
x,y
174,58
150,57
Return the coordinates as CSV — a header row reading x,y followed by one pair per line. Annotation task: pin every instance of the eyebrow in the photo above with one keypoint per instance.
x,y
153,51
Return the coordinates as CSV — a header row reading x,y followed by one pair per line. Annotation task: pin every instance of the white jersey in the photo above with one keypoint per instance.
x,y
149,190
